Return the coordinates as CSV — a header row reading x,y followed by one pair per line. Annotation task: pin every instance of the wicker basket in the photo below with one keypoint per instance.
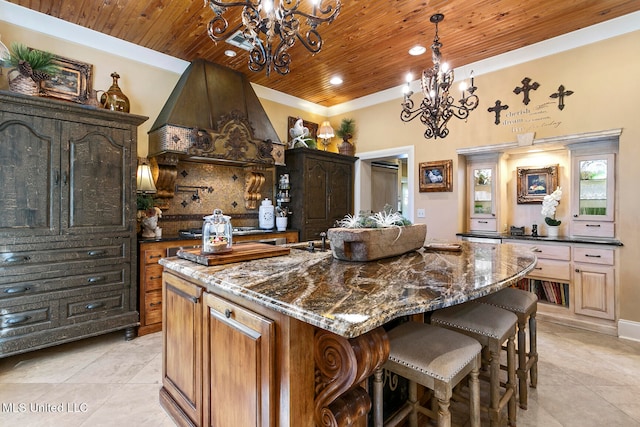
x,y
21,84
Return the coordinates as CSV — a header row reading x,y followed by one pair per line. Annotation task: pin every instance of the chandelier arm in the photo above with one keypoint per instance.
x,y
227,4
219,27
312,41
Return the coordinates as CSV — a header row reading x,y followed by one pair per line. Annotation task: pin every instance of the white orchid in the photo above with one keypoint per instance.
x,y
549,205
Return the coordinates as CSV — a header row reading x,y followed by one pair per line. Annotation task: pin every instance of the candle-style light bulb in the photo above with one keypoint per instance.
x,y
471,75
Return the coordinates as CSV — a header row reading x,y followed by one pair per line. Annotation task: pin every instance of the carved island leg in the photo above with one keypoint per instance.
x,y
341,365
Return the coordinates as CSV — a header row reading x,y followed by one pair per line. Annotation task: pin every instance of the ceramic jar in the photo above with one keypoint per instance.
x,y
266,215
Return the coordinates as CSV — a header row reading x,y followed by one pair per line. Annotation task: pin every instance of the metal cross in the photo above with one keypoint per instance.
x,y
526,87
560,94
497,109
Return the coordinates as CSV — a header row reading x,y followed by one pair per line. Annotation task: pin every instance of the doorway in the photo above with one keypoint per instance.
x,y
363,185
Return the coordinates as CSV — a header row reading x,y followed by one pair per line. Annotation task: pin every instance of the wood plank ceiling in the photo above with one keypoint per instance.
x,y
366,45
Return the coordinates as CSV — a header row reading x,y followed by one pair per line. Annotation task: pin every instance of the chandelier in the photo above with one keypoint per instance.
x,y
438,105
272,27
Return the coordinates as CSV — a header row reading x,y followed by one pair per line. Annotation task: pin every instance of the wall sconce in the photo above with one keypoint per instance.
x,y
325,133
144,183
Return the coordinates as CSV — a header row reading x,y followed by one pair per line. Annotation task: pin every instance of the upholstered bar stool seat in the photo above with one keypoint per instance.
x,y
491,326
436,358
523,304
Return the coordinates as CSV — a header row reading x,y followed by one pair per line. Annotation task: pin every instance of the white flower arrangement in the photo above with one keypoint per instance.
x,y
549,204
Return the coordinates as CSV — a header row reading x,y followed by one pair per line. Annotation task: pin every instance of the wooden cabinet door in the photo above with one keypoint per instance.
x,y
182,343
594,290
29,176
239,364
97,179
340,193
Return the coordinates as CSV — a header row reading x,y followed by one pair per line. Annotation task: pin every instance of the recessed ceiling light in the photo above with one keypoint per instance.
x,y
335,80
230,53
417,50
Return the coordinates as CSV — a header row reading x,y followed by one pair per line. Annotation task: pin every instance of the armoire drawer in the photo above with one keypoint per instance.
x,y
21,319
91,306
29,285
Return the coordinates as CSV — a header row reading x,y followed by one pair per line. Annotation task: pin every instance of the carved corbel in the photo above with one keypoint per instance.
x,y
341,365
164,168
253,181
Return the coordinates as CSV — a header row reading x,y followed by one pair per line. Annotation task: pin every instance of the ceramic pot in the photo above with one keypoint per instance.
x,y
281,223
552,230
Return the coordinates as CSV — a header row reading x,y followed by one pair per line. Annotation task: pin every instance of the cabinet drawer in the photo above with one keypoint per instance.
x,y
22,319
94,277
593,228
153,307
152,256
549,269
556,252
153,277
92,306
594,255
483,224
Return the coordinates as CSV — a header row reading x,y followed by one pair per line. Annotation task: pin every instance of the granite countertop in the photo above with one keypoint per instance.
x,y
352,298
560,239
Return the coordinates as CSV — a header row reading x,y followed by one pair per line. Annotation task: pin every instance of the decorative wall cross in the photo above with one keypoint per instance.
x,y
526,87
497,109
560,94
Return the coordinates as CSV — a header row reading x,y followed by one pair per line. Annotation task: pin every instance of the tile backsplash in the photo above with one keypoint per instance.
x,y
203,187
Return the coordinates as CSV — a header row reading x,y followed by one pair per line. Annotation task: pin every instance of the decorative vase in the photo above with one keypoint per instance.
x,y
281,223
368,244
552,230
346,148
22,84
113,99
149,225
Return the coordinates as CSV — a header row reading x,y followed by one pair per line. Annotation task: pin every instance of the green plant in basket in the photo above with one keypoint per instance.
x,y
36,64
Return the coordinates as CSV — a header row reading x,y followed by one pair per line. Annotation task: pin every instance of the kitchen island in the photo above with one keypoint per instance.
x,y
286,341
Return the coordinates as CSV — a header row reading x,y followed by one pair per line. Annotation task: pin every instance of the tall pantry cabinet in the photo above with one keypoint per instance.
x,y
321,189
67,222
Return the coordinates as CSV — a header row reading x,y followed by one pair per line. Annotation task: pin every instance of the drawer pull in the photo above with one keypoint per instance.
x,y
155,304
15,320
155,256
577,270
592,256
593,225
97,253
94,305
483,222
535,249
17,290
95,279
537,268
155,277
21,258
227,313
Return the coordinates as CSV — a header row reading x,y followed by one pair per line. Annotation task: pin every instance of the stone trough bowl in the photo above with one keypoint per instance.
x,y
368,244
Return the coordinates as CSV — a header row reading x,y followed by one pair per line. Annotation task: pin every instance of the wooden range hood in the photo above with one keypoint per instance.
x,y
213,115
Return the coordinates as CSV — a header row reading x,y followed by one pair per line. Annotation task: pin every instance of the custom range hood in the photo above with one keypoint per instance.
x,y
214,115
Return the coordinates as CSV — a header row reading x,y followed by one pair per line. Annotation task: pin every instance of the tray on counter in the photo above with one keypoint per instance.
x,y
239,252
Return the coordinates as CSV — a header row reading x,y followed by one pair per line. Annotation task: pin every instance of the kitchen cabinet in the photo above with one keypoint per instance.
x,y
593,192
239,364
150,273
575,283
219,350
67,235
483,176
321,189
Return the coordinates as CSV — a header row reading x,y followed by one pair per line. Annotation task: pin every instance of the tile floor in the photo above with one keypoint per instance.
x,y
586,379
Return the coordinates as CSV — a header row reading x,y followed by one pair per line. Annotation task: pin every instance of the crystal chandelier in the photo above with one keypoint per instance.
x,y
438,105
272,27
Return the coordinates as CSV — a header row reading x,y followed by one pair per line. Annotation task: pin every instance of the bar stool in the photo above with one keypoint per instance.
x,y
436,358
523,304
491,326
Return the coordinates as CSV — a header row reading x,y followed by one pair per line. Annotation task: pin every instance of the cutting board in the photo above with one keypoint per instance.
x,y
240,252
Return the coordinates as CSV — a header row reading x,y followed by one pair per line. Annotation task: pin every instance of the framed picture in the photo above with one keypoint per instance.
x,y
436,176
535,183
72,83
312,127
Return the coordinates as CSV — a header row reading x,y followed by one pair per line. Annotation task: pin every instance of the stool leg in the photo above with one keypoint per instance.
x,y
522,363
511,379
494,384
474,394
377,397
533,349
444,414
413,400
